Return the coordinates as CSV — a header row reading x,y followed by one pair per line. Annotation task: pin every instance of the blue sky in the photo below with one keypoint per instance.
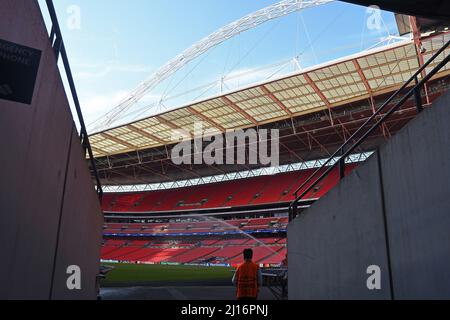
x,y
120,43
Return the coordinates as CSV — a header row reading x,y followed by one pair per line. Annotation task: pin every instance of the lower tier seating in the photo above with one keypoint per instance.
x,y
197,226
213,251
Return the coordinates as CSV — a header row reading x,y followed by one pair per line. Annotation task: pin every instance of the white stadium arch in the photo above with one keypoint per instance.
x,y
248,22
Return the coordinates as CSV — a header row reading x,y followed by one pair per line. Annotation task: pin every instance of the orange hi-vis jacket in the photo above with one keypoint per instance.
x,y
247,280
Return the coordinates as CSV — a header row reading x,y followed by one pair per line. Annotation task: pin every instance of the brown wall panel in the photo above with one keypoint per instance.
x,y
34,145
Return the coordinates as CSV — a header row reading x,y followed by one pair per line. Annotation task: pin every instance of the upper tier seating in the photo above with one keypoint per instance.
x,y
252,191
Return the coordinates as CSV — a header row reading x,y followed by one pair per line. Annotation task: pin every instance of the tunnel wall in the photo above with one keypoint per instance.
x,y
51,217
393,211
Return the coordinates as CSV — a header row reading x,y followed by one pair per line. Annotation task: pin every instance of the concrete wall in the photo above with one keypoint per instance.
x,y
416,171
393,211
330,251
43,174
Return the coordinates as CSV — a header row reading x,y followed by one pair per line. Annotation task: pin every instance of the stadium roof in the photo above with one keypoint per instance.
x,y
323,87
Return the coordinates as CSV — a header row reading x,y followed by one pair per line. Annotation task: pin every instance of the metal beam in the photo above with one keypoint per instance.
x,y
276,100
119,141
292,152
349,125
346,131
324,99
180,167
316,89
206,119
110,172
144,168
168,123
419,47
99,151
171,125
362,76
318,143
236,108
145,134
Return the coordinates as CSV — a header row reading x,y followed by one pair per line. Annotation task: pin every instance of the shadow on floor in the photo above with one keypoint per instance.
x,y
176,293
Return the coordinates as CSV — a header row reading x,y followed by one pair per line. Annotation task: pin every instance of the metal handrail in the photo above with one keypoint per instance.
x,y
341,154
57,43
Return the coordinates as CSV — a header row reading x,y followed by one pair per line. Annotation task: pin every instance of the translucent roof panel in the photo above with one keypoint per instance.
x,y
431,45
326,86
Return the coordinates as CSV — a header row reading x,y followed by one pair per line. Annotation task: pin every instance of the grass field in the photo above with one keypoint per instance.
x,y
141,274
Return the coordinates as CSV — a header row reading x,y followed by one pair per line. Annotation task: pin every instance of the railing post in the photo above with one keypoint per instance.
x,y
418,96
84,144
294,210
57,47
57,43
52,35
345,150
342,165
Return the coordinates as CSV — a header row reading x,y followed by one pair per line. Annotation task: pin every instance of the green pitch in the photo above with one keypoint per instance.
x,y
136,274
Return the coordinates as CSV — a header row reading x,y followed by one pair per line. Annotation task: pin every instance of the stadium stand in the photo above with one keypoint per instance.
x,y
195,227
258,190
204,239
268,250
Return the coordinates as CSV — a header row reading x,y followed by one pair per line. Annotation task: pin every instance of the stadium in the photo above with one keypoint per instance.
x,y
327,172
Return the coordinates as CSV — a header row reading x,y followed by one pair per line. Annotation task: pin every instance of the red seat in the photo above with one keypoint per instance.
x,y
257,190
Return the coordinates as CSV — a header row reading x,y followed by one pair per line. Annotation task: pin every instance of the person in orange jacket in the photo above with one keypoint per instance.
x,y
247,278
